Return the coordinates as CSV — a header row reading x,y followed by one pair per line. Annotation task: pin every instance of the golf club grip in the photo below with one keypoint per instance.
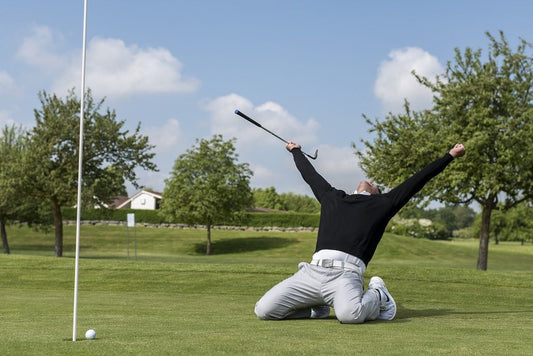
x,y
244,116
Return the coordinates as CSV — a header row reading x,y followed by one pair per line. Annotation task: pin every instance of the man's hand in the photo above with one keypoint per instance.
x,y
292,145
458,150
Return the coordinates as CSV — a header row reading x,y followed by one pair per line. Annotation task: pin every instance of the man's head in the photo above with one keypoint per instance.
x,y
367,186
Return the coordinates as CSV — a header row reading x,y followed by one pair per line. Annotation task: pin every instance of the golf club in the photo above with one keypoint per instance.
x,y
244,116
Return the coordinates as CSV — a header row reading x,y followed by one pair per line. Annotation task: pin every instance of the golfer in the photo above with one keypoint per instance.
x,y
351,226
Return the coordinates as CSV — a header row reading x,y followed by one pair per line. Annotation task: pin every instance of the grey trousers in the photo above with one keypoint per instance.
x,y
313,286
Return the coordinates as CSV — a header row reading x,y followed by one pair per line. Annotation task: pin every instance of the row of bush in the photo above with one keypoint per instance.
x,y
254,219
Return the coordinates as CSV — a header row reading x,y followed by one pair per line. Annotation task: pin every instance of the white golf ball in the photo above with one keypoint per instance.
x,y
90,334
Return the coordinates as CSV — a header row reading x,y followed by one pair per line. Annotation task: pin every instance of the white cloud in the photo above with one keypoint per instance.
x,y
395,81
339,166
42,49
167,137
116,69
263,176
270,115
112,67
265,153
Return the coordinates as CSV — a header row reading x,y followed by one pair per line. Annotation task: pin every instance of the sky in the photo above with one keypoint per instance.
x,y
307,70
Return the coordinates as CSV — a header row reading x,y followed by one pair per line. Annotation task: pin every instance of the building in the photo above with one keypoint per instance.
x,y
143,200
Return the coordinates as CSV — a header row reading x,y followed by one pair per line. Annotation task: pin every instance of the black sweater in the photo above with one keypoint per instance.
x,y
355,223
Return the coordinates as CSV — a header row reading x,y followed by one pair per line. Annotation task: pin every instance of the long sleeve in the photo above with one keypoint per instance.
x,y
405,191
318,184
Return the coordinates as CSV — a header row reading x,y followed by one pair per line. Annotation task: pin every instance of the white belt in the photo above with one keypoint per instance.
x,y
329,263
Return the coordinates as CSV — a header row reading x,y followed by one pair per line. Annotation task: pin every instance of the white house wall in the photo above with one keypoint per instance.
x,y
144,202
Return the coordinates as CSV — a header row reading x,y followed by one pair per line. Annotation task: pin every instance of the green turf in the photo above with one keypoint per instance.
x,y
173,300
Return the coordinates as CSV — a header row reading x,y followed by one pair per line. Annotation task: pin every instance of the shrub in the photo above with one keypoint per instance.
x,y
281,219
278,219
419,229
141,216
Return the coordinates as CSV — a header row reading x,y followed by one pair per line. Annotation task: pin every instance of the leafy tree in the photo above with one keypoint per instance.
x,y
300,203
15,201
11,191
486,105
464,216
515,224
518,224
270,199
267,198
207,186
110,155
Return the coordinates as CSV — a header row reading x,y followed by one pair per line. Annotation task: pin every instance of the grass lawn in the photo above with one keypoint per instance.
x,y
174,300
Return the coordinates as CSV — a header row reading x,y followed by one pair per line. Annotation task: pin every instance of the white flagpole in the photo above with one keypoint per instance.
x,y
80,165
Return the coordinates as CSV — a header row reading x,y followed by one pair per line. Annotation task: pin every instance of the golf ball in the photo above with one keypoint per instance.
x,y
90,334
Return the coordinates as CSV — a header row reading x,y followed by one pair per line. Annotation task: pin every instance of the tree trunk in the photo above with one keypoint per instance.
x,y
208,247
5,245
484,238
58,224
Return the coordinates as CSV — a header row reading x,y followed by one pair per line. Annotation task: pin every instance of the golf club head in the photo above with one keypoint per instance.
x,y
313,156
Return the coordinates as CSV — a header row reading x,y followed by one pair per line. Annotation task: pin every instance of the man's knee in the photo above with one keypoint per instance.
x,y
351,320
263,311
347,315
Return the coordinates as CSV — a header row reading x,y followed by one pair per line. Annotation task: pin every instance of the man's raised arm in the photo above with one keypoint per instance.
x,y
317,183
405,191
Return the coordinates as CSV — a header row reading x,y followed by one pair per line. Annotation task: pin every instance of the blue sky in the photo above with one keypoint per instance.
x,y
307,70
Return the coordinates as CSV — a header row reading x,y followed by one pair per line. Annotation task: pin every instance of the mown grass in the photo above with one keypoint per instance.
x,y
174,300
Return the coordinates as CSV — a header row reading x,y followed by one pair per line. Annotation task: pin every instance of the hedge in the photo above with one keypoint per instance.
x,y
283,219
145,216
254,219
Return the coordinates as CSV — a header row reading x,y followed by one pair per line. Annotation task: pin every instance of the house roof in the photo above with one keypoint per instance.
x,y
118,200
144,191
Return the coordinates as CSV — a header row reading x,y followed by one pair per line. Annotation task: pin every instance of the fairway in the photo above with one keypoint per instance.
x,y
173,300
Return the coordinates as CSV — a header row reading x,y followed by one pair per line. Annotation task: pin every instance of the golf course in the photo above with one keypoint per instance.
x,y
160,295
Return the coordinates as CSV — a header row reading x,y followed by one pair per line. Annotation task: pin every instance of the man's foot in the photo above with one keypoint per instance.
x,y
388,305
320,312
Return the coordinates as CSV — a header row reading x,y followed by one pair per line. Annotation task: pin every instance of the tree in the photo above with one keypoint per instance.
x,y
207,186
518,224
488,106
267,198
110,155
15,201
300,203
464,216
11,191
515,224
270,199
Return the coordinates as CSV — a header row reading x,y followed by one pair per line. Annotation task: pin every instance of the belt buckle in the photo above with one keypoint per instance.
x,y
327,263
